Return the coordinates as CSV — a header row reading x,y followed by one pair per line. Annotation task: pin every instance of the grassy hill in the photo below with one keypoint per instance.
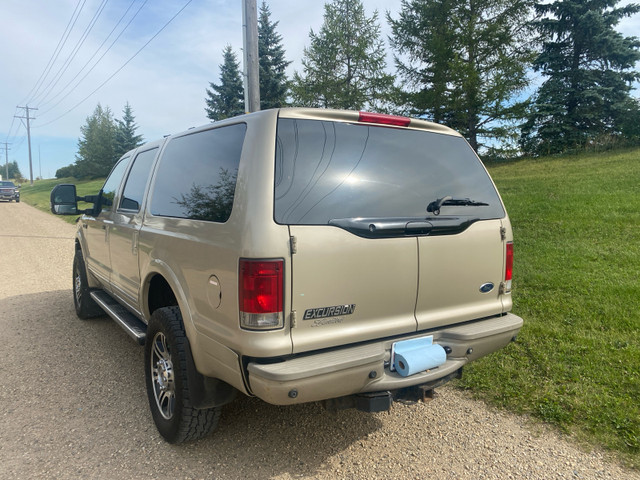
x,y
576,363
38,194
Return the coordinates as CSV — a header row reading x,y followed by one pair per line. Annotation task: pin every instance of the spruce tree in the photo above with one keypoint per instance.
x,y
589,71
227,99
344,65
463,63
273,79
126,138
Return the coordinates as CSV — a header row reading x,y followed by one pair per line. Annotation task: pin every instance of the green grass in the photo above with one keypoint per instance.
x,y
576,363
38,194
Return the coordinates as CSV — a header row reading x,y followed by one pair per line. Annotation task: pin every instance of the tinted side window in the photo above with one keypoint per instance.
x,y
112,183
197,174
137,180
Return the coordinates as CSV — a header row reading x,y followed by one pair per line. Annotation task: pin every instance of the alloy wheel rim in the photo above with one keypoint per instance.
x,y
162,375
78,288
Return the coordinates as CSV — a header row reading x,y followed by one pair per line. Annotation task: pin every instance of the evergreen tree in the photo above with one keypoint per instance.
x,y
96,147
126,138
344,65
227,99
273,80
463,62
589,71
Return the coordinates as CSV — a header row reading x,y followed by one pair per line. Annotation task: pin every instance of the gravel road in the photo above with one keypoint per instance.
x,y
73,404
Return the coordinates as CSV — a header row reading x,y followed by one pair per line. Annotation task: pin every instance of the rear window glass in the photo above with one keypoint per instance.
x,y
331,170
197,174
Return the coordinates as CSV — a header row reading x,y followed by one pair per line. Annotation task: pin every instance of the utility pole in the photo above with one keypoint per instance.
x,y
29,138
6,158
251,62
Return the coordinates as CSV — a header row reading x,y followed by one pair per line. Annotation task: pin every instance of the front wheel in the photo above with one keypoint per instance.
x,y
86,307
165,359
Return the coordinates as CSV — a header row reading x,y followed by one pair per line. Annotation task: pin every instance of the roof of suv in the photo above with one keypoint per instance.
x,y
349,116
364,117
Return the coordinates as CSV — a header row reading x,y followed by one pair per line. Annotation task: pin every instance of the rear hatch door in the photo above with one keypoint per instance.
x,y
369,261
460,275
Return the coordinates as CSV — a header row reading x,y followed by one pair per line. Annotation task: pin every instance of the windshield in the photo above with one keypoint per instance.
x,y
331,170
7,184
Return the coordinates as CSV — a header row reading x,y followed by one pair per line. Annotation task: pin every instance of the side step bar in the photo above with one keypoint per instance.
x,y
123,317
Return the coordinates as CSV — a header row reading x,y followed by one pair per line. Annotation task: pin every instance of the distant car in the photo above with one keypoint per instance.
x,y
8,191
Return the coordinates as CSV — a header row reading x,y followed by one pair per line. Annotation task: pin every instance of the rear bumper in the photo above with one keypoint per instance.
x,y
365,368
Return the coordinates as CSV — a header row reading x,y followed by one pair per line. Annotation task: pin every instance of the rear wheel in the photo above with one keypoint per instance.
x,y
165,359
86,307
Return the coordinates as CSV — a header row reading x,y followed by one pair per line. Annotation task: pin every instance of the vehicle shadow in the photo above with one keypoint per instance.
x,y
75,398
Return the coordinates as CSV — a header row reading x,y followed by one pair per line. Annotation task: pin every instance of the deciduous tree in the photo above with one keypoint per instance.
x,y
14,170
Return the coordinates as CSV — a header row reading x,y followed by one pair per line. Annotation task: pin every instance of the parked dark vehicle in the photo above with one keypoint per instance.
x,y
9,191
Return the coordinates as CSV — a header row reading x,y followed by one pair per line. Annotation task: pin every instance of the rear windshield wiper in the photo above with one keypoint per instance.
x,y
434,207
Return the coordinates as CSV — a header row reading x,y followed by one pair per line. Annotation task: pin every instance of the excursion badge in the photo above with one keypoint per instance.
x,y
327,312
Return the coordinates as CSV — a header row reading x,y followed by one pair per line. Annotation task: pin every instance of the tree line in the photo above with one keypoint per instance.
x,y
467,64
104,139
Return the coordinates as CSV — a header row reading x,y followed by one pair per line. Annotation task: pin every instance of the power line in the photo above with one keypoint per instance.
x,y
56,52
17,148
67,63
94,54
119,69
95,64
11,127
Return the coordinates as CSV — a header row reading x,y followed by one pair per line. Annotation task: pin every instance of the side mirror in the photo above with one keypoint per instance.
x,y
64,200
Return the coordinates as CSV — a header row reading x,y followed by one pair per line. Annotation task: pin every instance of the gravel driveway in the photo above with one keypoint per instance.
x,y
73,404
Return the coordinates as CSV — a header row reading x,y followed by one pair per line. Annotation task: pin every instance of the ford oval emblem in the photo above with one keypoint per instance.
x,y
486,288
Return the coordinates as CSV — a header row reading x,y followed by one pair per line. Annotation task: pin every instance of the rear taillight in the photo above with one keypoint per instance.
x,y
260,291
381,118
508,270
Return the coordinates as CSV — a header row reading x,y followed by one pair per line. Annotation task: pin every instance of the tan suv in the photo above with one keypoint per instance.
x,y
297,255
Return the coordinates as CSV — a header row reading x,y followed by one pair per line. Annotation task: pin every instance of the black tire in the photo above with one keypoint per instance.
x,y
86,307
165,362
17,200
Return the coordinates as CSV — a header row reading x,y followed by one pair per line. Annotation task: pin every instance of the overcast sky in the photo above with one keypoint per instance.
x,y
164,83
